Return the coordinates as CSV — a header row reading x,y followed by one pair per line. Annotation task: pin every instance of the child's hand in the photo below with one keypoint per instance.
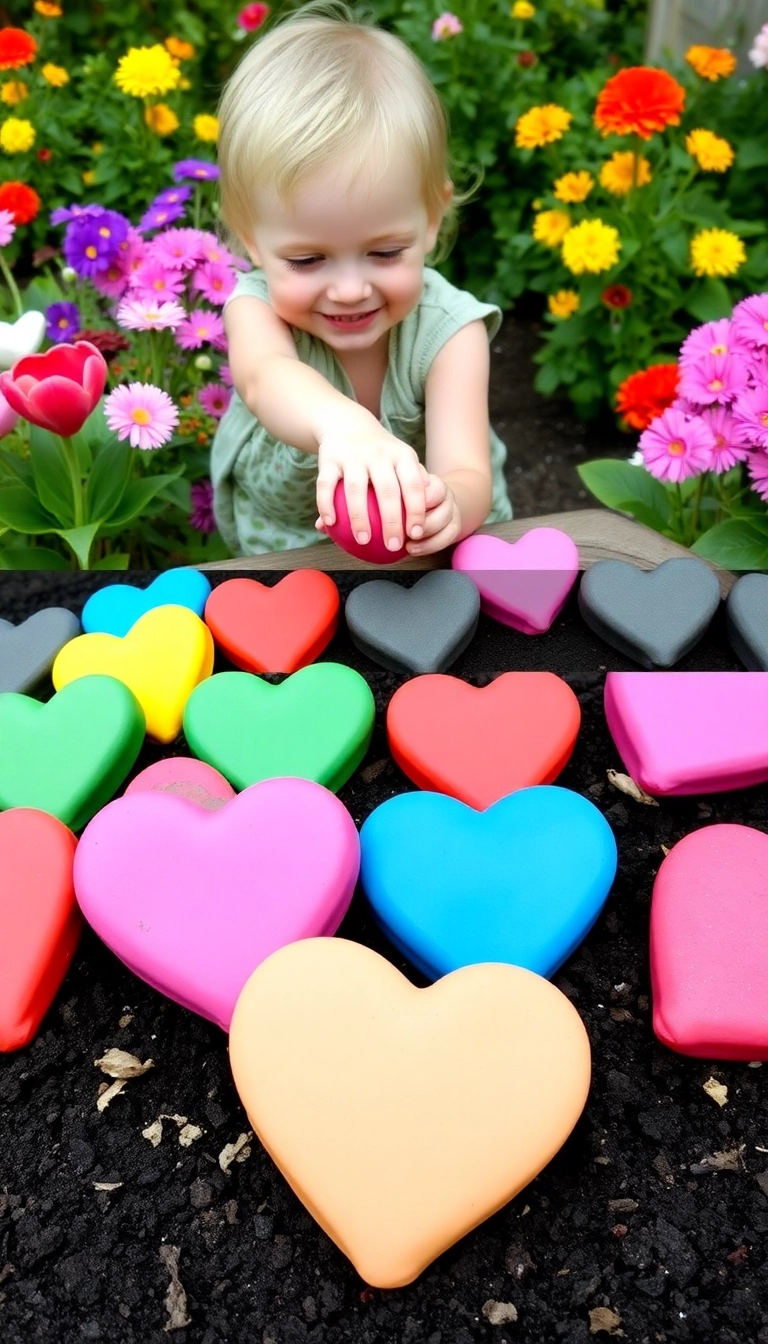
x,y
362,452
442,523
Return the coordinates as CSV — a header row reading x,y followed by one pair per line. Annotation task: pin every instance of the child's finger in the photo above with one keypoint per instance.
x,y
413,480
328,478
436,492
356,495
390,502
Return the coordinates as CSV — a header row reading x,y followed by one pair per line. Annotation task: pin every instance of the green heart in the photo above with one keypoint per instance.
x,y
69,756
315,725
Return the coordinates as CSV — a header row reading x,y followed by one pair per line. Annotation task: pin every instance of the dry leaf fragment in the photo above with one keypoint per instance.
x,y
125,1021
626,784
729,1160
664,849
235,1152
109,1094
623,1205
153,1132
499,1313
605,1318
175,1298
107,1185
119,1064
373,770
188,1134
717,1091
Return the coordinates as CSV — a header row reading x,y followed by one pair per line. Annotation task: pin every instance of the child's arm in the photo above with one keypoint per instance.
x,y
458,440
297,405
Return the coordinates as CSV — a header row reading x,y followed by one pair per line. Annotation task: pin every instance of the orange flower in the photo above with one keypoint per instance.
x,y
17,48
711,62
644,395
639,101
22,201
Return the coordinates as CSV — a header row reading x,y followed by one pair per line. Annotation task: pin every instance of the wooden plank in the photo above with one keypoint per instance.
x,y
598,533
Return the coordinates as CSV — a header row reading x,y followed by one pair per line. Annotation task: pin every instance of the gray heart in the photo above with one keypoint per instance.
x,y
746,621
654,616
27,651
419,629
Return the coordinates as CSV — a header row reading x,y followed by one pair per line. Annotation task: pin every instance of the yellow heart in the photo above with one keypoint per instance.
x,y
161,659
404,1117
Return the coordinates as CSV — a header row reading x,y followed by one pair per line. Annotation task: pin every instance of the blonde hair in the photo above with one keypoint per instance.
x,y
319,87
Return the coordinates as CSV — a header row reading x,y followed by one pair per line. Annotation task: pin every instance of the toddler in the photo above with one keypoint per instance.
x,y
351,360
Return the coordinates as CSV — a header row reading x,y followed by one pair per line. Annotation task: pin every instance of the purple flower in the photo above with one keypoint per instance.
x,y
172,196
199,169
62,322
674,446
67,212
202,517
757,466
93,241
158,216
215,399
751,414
225,374
750,320
713,378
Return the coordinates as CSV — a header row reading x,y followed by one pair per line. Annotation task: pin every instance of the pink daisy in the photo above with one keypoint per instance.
x,y
178,249
757,466
674,446
136,249
139,315
713,338
7,227
711,378
214,280
202,517
225,374
215,399
153,280
731,443
201,327
142,413
114,280
751,414
750,320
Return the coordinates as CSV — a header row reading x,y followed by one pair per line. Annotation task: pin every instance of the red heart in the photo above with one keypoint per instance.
x,y
480,744
277,629
40,922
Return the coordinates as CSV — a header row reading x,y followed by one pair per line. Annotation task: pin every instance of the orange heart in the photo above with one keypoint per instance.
x,y
404,1117
277,629
480,744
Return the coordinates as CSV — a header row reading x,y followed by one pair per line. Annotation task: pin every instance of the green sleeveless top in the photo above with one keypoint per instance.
x,y
264,490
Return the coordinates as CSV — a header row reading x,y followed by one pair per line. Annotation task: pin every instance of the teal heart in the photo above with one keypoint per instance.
x,y
316,724
115,609
70,755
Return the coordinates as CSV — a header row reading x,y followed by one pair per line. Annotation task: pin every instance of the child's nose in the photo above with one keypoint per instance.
x,y
349,286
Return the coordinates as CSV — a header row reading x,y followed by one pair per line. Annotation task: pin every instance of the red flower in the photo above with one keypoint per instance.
x,y
22,201
616,296
526,59
104,338
639,101
45,155
57,390
17,48
252,17
642,396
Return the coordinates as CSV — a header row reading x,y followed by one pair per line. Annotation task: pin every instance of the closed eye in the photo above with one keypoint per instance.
x,y
300,263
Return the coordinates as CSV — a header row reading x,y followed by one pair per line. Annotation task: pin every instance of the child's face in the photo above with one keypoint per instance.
x,y
343,248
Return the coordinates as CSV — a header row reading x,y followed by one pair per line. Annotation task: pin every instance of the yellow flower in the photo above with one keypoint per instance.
x,y
564,303
89,177
161,119
185,83
47,9
591,246
717,252
14,91
551,226
206,127
710,151
522,9
16,136
183,51
55,75
542,126
574,187
616,173
97,147
146,71
711,62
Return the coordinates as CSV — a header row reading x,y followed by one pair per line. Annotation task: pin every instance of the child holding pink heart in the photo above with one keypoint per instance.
x,y
352,360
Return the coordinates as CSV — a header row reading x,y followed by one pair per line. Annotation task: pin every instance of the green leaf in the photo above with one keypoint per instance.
x,y
32,557
709,301
20,510
735,544
752,153
623,486
547,380
51,472
649,517
136,497
118,560
109,476
80,539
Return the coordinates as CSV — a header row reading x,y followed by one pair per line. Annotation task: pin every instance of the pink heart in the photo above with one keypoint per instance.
x,y
193,901
690,732
709,944
521,583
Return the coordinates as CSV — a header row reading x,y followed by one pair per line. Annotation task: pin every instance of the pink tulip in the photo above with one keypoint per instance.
x,y
8,417
252,17
59,389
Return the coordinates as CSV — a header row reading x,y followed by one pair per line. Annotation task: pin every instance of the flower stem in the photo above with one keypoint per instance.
x,y
11,285
74,472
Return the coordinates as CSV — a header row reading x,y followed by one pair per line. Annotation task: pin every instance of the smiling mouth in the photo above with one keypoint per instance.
x,y
349,317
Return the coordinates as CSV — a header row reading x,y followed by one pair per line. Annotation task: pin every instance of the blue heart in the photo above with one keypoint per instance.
x,y
522,882
114,609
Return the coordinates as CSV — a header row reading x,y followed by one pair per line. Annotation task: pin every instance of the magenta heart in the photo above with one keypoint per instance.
x,y
709,944
374,550
193,900
521,583
690,732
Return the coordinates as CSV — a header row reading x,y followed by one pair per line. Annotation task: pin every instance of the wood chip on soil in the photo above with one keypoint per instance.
x,y
626,784
175,1298
119,1064
236,1152
606,1319
730,1160
717,1091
